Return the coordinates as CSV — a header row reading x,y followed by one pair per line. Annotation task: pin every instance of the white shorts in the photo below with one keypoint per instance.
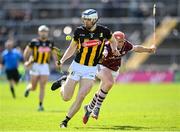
x,y
79,71
39,69
114,73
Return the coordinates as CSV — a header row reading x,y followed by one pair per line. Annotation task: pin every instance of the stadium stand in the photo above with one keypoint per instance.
x,y
20,19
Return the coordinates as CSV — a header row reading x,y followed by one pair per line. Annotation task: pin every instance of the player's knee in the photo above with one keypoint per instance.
x,y
66,98
82,95
33,88
42,86
109,83
43,83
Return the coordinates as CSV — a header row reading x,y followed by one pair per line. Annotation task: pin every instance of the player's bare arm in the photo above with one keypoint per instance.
x,y
113,45
28,59
69,52
27,52
140,49
55,56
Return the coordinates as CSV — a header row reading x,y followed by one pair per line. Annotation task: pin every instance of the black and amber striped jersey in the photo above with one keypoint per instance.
x,y
90,44
41,50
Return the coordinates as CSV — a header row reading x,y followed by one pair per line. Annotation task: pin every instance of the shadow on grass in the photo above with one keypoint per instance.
x,y
125,127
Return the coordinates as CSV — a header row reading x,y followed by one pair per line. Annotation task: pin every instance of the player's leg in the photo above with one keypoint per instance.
x,y
43,70
58,83
105,75
106,84
85,75
32,85
11,83
34,73
42,80
10,75
88,108
85,87
16,76
67,89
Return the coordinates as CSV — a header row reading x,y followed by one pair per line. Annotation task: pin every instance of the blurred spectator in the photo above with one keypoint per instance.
x,y
107,9
18,14
137,9
133,8
143,10
3,31
15,14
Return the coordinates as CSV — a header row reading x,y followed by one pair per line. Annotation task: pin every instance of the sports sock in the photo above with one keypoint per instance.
x,y
66,119
92,103
12,91
40,103
101,96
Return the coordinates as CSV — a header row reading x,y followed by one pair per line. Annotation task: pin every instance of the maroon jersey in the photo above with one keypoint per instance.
x,y
114,62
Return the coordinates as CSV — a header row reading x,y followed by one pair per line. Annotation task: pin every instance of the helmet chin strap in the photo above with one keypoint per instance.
x,y
94,26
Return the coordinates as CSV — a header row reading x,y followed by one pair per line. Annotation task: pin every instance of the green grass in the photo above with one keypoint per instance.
x,y
131,107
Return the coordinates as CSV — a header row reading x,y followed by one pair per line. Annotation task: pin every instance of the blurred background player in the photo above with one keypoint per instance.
x,y
109,67
10,59
88,41
37,53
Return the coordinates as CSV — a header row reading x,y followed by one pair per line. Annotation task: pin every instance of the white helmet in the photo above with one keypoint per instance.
x,y
90,14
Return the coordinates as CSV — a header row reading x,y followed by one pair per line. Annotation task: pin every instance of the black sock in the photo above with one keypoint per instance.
x,y
40,103
67,119
12,91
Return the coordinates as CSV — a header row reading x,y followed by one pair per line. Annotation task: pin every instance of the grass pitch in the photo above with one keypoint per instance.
x,y
128,107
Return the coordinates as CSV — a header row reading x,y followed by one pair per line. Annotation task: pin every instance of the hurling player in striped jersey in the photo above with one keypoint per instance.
x,y
109,67
88,44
